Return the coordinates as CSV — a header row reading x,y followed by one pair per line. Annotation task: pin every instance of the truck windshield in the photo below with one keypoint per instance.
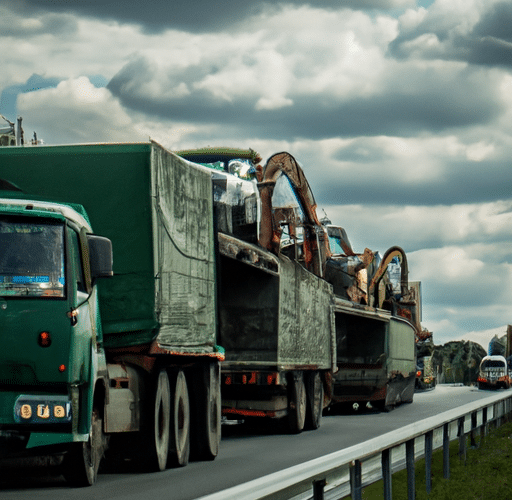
x,y
493,363
31,259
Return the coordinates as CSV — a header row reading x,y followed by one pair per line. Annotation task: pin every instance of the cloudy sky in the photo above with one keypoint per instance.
x,y
400,112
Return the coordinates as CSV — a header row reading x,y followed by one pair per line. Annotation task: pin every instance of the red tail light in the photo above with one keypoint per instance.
x,y
44,339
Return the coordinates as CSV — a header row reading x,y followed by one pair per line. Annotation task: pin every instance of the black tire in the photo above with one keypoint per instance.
x,y
206,428
408,394
179,435
154,437
82,461
315,400
296,404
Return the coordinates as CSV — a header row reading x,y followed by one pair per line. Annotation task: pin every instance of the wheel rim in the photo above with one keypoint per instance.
x,y
162,419
181,421
83,460
297,404
301,403
214,413
316,400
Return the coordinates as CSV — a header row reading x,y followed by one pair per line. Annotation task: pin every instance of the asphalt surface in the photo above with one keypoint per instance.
x,y
247,452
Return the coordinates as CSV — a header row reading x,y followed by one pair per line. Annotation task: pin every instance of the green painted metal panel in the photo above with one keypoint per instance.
x,y
112,183
47,439
402,354
23,361
115,183
305,325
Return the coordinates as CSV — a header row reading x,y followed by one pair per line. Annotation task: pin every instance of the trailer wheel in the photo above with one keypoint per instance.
x,y
179,443
206,416
154,438
315,400
297,404
81,463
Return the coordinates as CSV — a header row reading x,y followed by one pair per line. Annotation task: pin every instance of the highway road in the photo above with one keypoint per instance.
x,y
246,453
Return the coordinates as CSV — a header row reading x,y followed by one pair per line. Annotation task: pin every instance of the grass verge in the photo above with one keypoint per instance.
x,y
486,473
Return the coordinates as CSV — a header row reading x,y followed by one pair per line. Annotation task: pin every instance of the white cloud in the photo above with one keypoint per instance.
x,y
447,266
290,52
479,151
76,111
424,226
64,46
453,30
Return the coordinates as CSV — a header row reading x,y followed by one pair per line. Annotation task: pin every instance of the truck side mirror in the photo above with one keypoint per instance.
x,y
100,256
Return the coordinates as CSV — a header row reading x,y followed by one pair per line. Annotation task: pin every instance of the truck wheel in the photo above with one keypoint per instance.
x,y
179,442
154,439
207,414
297,404
82,462
315,400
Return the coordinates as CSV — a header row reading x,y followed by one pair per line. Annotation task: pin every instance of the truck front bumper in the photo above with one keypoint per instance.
x,y
31,420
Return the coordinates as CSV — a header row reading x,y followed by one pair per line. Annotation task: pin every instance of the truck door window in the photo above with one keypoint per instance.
x,y
77,262
31,258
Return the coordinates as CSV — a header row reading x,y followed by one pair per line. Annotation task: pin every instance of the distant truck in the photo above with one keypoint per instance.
x,y
494,373
376,318
426,374
426,377
131,361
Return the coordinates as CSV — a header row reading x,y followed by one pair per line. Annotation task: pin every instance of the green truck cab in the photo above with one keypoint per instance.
x,y
53,362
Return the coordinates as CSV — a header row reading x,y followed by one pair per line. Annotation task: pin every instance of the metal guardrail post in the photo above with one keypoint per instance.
x,y
462,439
483,429
446,451
496,420
386,474
411,479
355,480
429,442
473,429
318,489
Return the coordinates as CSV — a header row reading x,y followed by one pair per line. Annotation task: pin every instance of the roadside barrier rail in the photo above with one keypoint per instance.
x,y
347,471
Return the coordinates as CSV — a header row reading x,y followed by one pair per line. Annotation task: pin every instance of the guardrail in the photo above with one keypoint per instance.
x,y
347,471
